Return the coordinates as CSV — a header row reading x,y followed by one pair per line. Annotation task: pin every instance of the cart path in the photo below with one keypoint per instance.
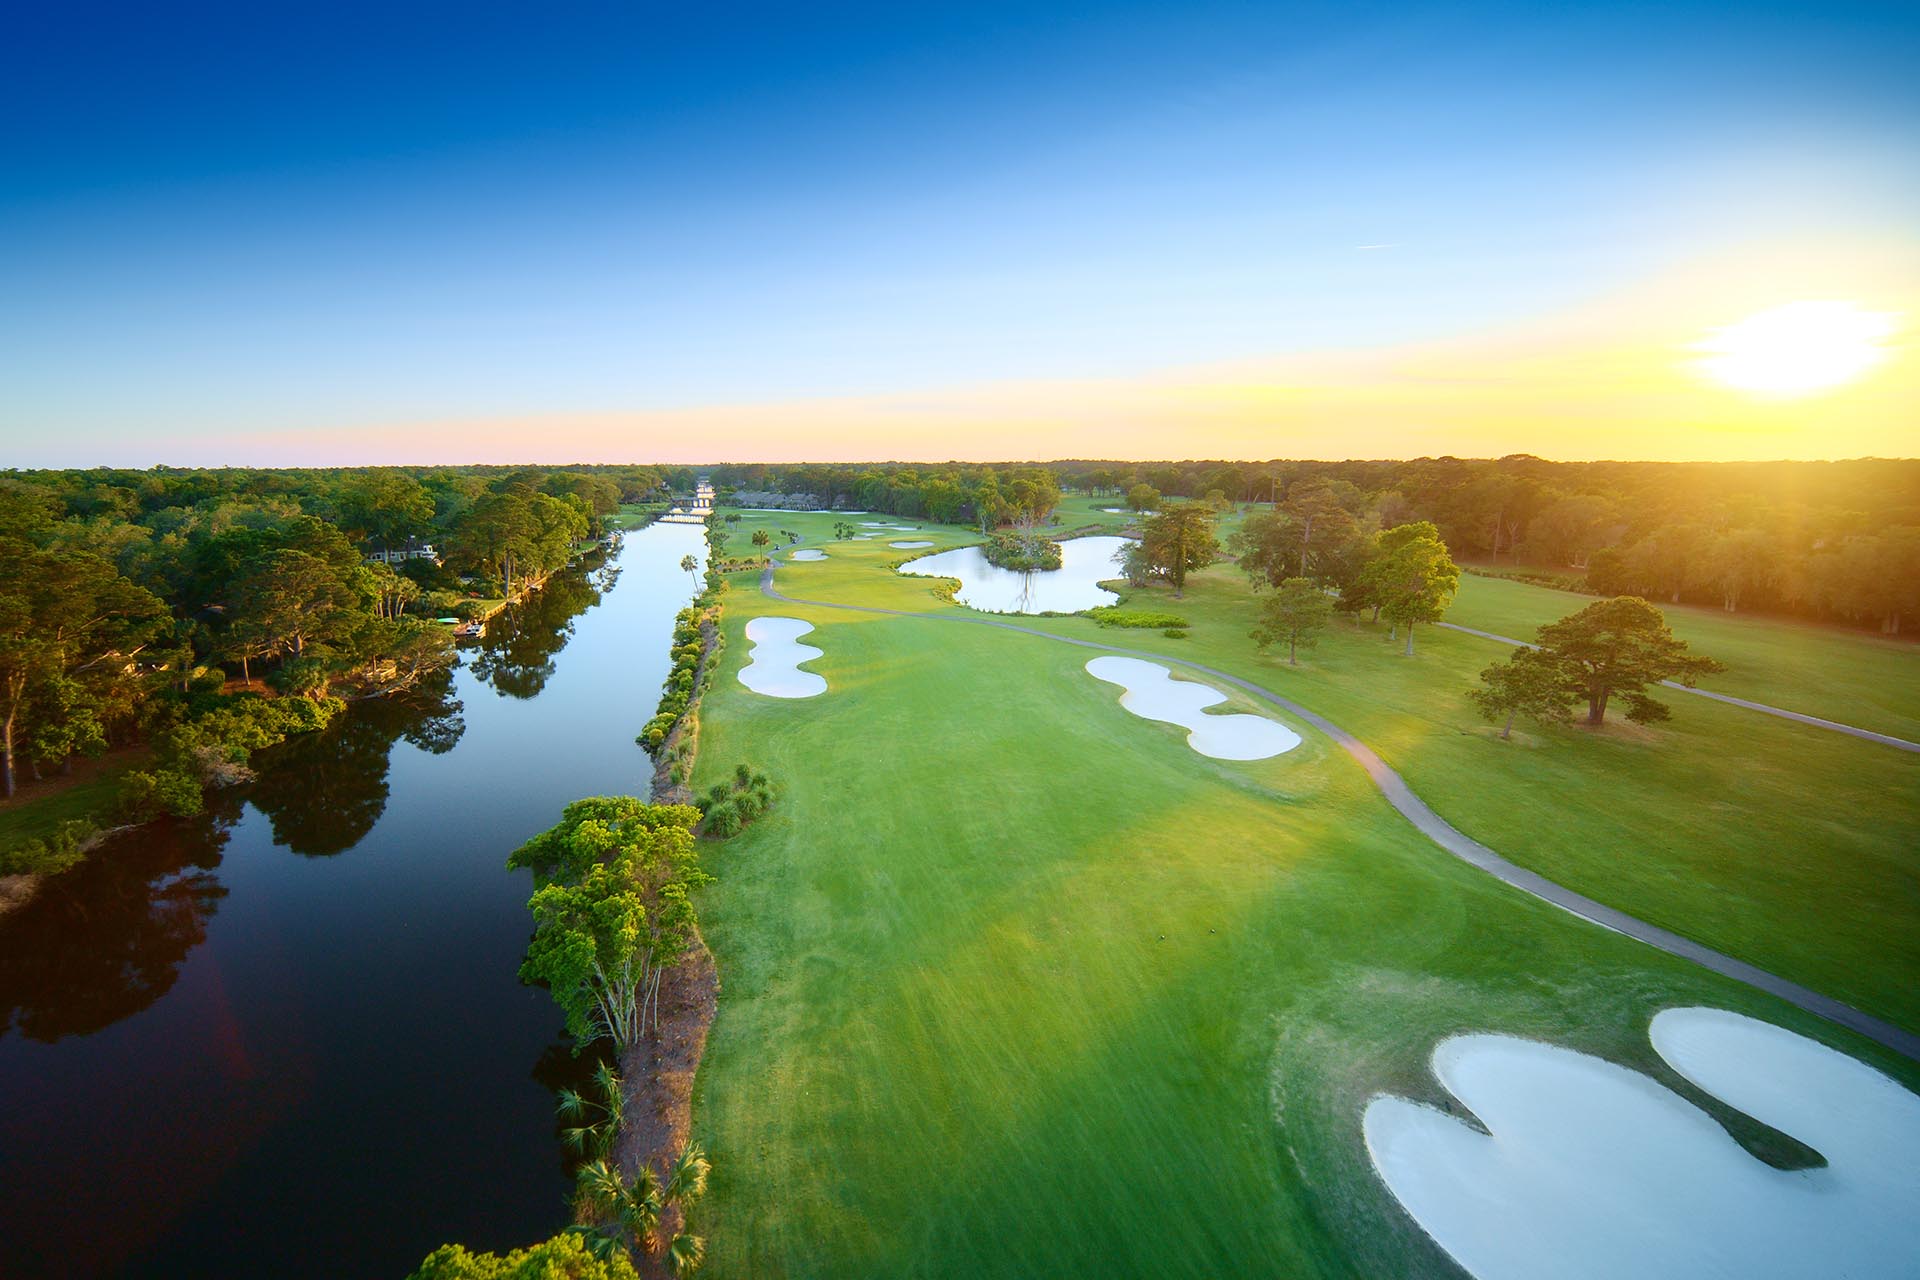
x,y
1461,846
1886,739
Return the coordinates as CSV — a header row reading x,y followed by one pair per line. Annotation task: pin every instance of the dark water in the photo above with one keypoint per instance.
x,y
287,1039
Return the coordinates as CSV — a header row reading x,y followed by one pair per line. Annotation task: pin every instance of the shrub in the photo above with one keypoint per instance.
x,y
145,796
722,820
1175,633
66,846
1108,615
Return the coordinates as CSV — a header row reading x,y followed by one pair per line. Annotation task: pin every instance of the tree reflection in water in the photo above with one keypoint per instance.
x,y
517,655
106,939
324,791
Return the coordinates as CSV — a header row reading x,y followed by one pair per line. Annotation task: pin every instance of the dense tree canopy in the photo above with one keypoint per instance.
x,y
1616,649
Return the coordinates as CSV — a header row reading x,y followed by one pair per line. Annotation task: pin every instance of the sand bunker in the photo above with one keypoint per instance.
x,y
1595,1170
909,543
1153,694
773,665
883,524
808,553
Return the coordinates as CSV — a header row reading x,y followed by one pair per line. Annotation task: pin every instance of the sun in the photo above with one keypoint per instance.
x,y
1798,349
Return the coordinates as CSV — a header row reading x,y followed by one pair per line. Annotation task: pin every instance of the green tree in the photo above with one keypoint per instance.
x,y
1411,577
568,1256
63,616
1143,497
1617,648
691,567
612,912
1178,540
1529,684
761,538
1296,612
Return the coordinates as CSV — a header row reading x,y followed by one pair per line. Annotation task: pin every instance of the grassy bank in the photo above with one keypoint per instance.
x,y
1018,984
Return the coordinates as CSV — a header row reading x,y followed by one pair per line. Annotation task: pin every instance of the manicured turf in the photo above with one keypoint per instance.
x,y
1016,984
1795,848
1855,678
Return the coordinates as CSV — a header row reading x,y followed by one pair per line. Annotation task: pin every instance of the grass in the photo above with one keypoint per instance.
x,y
40,809
1792,847
1824,671
1015,983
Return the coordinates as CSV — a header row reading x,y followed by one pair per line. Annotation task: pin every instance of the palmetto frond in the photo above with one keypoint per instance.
x,y
600,1186
687,1179
685,1253
606,1082
570,1104
576,1139
598,1243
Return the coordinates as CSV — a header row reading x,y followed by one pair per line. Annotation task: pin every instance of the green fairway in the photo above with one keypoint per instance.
x,y
1795,848
1849,676
1016,983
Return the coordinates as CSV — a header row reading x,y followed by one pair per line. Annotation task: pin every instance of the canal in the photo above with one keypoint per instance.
x,y
287,1038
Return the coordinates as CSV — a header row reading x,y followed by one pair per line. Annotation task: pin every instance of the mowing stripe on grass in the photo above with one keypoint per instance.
x,y
1461,846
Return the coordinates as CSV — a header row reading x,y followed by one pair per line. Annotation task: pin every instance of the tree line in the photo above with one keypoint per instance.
x,y
137,602
1838,541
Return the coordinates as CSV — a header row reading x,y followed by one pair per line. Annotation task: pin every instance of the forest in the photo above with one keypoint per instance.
x,y
1838,541
209,614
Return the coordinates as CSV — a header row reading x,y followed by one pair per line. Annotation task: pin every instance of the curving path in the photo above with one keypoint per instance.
x,y
1455,842
1886,739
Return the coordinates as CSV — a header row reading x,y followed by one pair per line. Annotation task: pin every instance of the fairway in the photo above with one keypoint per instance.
x,y
1017,983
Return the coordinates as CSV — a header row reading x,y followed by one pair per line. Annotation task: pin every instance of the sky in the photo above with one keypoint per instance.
x,y
309,235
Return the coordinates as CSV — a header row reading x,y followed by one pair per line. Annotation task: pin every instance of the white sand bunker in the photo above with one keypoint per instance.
x,y
910,542
1595,1170
773,665
1153,693
884,524
809,553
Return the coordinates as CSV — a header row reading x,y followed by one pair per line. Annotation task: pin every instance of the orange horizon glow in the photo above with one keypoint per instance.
x,y
1616,379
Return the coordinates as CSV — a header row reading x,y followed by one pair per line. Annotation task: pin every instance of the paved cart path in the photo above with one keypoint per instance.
x,y
1461,846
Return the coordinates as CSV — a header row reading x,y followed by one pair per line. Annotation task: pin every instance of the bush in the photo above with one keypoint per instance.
x,y
66,846
1175,633
1108,615
145,796
722,820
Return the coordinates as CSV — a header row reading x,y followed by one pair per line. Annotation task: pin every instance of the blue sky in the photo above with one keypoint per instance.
x,y
222,226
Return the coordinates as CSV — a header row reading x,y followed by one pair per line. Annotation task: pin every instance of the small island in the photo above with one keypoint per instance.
x,y
1022,552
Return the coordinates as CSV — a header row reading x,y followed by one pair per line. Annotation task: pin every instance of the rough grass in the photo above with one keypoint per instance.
x,y
40,809
1792,847
1824,671
1015,983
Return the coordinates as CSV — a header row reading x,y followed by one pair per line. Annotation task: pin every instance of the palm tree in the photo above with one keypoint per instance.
x,y
690,567
638,1207
594,1139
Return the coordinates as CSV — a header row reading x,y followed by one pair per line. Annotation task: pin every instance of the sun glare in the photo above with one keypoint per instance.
x,y
1797,349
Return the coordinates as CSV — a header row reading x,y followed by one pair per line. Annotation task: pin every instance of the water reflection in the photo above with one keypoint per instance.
x,y
517,654
106,939
323,792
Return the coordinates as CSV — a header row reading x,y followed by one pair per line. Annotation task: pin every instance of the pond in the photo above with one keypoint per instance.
x,y
1084,562
288,1037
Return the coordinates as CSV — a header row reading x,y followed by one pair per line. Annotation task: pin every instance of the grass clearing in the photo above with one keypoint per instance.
x,y
1015,983
1858,679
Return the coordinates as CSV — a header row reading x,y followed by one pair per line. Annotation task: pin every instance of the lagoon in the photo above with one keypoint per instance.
x,y
1084,563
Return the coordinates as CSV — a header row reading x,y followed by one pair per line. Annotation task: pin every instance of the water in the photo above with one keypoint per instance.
x,y
288,1038
1084,562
